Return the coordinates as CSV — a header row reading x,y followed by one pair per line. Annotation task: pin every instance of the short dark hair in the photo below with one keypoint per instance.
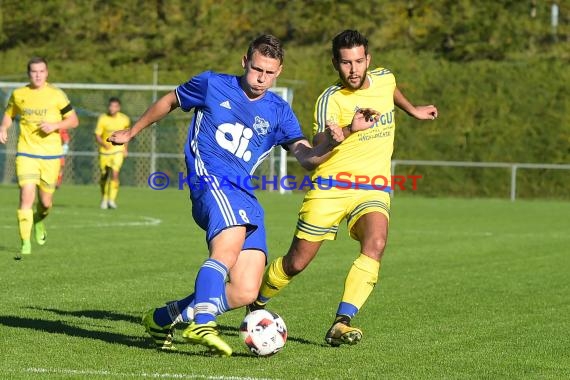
x,y
268,46
347,40
114,99
35,60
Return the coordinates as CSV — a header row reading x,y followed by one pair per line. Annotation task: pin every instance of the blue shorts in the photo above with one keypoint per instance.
x,y
215,209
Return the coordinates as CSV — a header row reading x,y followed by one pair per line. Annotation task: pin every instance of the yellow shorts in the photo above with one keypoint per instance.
x,y
323,210
113,161
39,171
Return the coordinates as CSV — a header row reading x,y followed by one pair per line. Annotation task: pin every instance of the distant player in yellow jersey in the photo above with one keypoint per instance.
x,y
110,156
44,110
340,191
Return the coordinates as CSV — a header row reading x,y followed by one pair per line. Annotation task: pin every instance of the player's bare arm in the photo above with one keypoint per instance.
x,y
310,157
6,123
428,112
69,122
154,113
102,142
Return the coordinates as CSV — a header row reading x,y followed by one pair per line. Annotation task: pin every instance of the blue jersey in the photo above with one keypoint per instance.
x,y
230,135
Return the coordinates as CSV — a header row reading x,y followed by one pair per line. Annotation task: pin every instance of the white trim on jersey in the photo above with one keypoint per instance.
x,y
260,160
221,199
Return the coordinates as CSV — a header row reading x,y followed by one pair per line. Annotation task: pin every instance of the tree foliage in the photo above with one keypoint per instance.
x,y
122,31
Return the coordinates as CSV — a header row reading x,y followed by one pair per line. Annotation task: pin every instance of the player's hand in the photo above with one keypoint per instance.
x,y
425,112
3,135
120,137
47,128
363,119
334,133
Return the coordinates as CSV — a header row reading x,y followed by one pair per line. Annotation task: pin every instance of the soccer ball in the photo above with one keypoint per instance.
x,y
263,332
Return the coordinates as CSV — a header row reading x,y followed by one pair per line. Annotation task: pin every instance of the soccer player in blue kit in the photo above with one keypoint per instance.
x,y
236,123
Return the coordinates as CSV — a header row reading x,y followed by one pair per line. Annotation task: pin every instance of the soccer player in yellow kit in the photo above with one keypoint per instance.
x,y
111,156
44,110
341,190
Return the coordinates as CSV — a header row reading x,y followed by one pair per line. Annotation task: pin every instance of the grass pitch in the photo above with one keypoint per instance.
x,y
469,288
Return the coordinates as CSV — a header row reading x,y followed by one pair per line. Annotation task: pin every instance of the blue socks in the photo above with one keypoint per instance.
x,y
345,308
210,291
209,298
171,312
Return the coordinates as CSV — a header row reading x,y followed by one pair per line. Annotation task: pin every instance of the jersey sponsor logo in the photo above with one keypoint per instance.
x,y
235,139
34,111
386,118
261,126
375,135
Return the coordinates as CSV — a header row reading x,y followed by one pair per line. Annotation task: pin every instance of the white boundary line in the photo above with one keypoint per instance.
x,y
80,372
550,235
146,221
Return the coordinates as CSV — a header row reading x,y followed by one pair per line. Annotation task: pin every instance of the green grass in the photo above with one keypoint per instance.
x,y
470,288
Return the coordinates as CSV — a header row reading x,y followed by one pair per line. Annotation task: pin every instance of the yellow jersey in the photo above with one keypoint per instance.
x,y
364,156
106,125
49,104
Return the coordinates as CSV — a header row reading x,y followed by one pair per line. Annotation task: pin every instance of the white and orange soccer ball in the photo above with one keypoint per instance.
x,y
263,332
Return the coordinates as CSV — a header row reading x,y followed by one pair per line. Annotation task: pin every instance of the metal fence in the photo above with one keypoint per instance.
x,y
513,167
156,149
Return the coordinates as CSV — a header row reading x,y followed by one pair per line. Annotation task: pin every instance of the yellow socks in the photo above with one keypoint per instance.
x,y
105,184
274,280
113,189
359,283
25,222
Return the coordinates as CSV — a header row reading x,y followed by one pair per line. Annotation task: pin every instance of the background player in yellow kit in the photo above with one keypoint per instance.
x,y
111,156
366,207
44,110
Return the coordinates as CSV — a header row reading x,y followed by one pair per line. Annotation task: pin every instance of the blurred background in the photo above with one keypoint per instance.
x,y
498,71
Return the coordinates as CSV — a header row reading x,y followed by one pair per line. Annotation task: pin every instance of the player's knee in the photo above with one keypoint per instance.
x,y
374,247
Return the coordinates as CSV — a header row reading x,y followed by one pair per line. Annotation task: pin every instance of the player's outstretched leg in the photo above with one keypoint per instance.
x,y
360,281
162,335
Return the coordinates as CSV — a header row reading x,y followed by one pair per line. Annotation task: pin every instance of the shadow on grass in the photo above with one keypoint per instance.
x,y
113,316
58,327
94,314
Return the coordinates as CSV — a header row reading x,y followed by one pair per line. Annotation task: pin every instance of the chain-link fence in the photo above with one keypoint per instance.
x,y
159,148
